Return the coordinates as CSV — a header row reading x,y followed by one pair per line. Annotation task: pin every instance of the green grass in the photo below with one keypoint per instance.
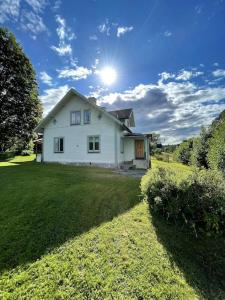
x,y
81,233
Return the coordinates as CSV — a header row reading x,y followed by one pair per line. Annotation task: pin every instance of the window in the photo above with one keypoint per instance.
x,y
87,116
75,117
58,144
93,144
122,145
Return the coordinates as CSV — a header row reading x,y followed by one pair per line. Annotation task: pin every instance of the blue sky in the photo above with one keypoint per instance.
x,y
168,56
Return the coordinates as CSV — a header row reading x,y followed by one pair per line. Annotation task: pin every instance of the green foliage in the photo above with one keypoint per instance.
x,y
198,200
163,156
20,108
200,148
6,155
216,154
183,152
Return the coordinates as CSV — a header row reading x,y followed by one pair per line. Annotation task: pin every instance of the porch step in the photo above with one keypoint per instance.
x,y
128,165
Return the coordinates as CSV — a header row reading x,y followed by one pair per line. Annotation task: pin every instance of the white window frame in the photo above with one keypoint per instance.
x,y
99,141
75,112
89,111
54,144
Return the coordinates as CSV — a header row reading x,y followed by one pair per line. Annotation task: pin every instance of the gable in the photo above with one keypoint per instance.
x,y
80,99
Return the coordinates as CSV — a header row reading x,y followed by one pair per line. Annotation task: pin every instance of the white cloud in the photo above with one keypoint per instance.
x,y
167,33
32,23
176,110
76,73
166,75
37,5
122,30
216,64
65,36
47,79
29,20
105,27
51,96
62,49
186,75
9,10
219,73
93,37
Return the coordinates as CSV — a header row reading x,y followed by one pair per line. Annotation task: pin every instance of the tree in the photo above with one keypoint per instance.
x,y
20,108
200,148
183,152
216,153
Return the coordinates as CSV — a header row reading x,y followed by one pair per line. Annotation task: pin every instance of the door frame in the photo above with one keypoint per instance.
x,y
143,141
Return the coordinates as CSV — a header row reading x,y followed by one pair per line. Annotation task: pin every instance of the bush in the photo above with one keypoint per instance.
x,y
183,152
163,157
6,155
197,201
216,153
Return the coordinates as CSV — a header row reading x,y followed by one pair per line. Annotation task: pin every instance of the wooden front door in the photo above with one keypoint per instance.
x,y
139,149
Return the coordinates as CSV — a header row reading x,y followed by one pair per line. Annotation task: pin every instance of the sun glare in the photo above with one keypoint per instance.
x,y
108,75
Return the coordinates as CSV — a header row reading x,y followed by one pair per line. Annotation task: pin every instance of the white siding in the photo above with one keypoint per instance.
x,y
129,150
75,136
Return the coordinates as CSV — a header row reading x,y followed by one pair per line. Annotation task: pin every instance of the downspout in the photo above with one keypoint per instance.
x,y
116,150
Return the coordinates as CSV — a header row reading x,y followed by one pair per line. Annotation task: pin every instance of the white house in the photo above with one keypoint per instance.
x,y
79,131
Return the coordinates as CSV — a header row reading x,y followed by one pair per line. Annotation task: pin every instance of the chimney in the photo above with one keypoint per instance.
x,y
92,99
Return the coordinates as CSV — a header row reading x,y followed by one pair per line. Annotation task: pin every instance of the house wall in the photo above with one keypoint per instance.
x,y
129,149
75,136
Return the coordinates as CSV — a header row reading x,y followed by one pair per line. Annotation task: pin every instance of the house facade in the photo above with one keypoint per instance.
x,y
79,131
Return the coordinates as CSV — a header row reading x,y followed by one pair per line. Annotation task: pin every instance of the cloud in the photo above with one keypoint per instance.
x,y
37,5
9,10
105,27
93,37
176,110
46,78
216,64
51,96
65,35
29,20
75,74
167,33
186,75
122,30
219,73
32,23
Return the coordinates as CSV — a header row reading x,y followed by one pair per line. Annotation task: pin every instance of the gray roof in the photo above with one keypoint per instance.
x,y
122,113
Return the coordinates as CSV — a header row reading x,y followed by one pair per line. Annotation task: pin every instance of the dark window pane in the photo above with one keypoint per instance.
x,y
61,145
87,116
96,146
91,146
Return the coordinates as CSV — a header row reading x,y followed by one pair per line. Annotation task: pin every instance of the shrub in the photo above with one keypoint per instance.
x,y
183,152
6,155
216,153
197,201
163,157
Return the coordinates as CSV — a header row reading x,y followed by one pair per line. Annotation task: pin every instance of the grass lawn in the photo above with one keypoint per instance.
x,y
81,233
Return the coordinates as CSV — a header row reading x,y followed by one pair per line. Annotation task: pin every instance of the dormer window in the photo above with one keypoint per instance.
x,y
75,117
87,116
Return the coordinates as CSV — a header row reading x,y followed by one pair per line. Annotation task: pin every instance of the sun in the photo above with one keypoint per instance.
x,y
108,75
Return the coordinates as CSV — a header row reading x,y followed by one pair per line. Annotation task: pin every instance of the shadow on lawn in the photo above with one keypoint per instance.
x,y
202,261
42,206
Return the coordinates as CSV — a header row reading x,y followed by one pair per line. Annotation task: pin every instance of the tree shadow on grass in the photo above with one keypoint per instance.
x,y
201,260
44,205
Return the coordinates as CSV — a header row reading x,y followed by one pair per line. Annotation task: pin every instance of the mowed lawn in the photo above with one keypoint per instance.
x,y
82,233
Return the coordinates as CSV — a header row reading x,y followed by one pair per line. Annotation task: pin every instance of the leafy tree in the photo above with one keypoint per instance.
x,y
183,152
200,148
20,108
216,153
